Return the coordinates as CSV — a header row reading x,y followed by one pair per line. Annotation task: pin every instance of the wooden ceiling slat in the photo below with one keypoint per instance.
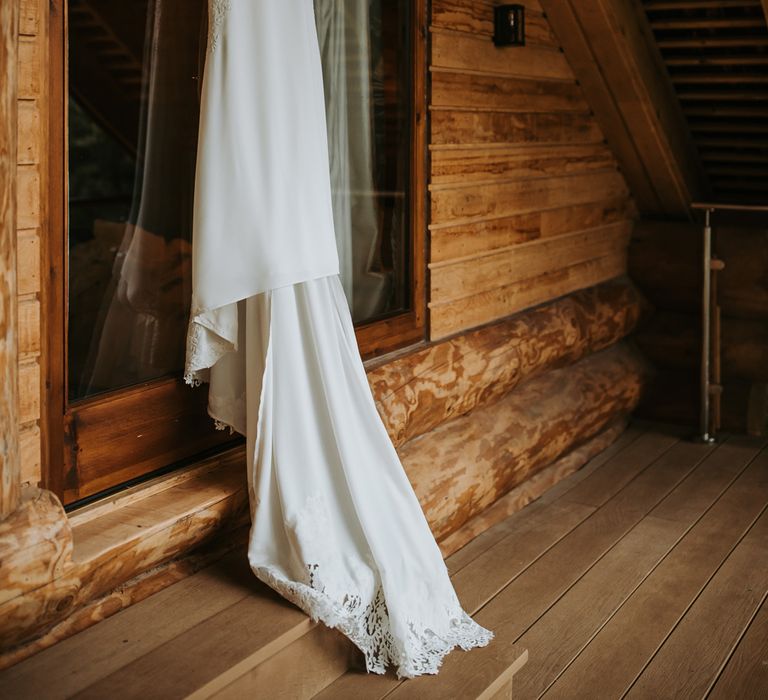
x,y
712,42
740,60
746,112
707,23
735,79
730,156
724,96
663,5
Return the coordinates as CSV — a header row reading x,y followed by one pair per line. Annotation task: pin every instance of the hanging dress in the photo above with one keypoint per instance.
x,y
336,526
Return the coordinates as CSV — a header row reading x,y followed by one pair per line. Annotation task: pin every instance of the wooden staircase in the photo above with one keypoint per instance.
x,y
716,54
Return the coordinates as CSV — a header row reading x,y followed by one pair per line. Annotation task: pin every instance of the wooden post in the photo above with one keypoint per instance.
x,y
10,475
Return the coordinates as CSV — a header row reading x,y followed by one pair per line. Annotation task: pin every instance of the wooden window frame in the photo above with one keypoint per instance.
x,y
131,434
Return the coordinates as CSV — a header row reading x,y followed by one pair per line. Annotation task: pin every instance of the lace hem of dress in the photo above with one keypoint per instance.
x,y
368,628
203,350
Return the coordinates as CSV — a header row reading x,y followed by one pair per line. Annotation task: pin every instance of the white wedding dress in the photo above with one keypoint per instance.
x,y
336,526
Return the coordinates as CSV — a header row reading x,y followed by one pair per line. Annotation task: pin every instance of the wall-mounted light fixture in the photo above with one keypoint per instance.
x,y
509,25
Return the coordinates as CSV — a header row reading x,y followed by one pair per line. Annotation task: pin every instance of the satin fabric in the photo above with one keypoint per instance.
x,y
336,526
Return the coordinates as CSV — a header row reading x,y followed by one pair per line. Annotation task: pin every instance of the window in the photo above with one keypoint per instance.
x,y
125,83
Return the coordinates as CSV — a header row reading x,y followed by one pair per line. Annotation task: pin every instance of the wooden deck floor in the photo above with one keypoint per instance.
x,y
643,575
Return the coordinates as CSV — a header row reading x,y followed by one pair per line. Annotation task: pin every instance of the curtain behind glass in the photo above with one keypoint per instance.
x,y
344,31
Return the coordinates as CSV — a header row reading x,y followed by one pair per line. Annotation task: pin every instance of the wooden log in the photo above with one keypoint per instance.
x,y
133,591
422,390
108,551
35,546
533,488
664,260
464,466
672,340
10,467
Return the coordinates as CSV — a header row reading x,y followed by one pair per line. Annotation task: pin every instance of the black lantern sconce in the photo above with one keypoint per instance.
x,y
509,25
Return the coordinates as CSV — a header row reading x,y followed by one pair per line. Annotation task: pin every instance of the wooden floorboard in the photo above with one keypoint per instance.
x,y
106,647
688,663
643,575
580,615
746,672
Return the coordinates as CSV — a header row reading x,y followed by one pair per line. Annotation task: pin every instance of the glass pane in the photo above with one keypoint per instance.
x,y
134,75
365,49
133,114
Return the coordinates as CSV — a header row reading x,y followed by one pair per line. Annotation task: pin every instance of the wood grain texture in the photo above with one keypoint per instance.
x,y
477,18
714,623
453,128
746,674
10,468
517,156
455,316
109,551
35,548
533,488
491,200
29,132
614,56
480,93
476,53
614,581
482,163
467,277
424,389
463,466
666,593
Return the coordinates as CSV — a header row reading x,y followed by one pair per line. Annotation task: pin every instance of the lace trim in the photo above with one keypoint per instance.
x,y
217,11
203,350
369,629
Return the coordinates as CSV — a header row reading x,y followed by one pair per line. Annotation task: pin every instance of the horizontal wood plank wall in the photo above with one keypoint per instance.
x,y
527,202
30,225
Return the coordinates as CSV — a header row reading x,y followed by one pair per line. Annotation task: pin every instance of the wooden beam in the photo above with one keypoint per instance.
x,y
765,10
576,46
461,468
10,465
424,389
611,49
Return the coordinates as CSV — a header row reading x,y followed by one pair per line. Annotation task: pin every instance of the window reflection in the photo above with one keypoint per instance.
x,y
133,116
134,69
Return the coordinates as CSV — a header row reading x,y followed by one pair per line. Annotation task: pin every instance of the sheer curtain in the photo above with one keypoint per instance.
x,y
344,36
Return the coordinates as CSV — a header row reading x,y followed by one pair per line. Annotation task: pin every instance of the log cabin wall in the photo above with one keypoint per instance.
x,y
665,262
528,209
527,202
30,225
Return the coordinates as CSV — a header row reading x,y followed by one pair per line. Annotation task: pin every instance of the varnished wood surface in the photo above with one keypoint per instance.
x,y
715,56
10,471
517,157
645,572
